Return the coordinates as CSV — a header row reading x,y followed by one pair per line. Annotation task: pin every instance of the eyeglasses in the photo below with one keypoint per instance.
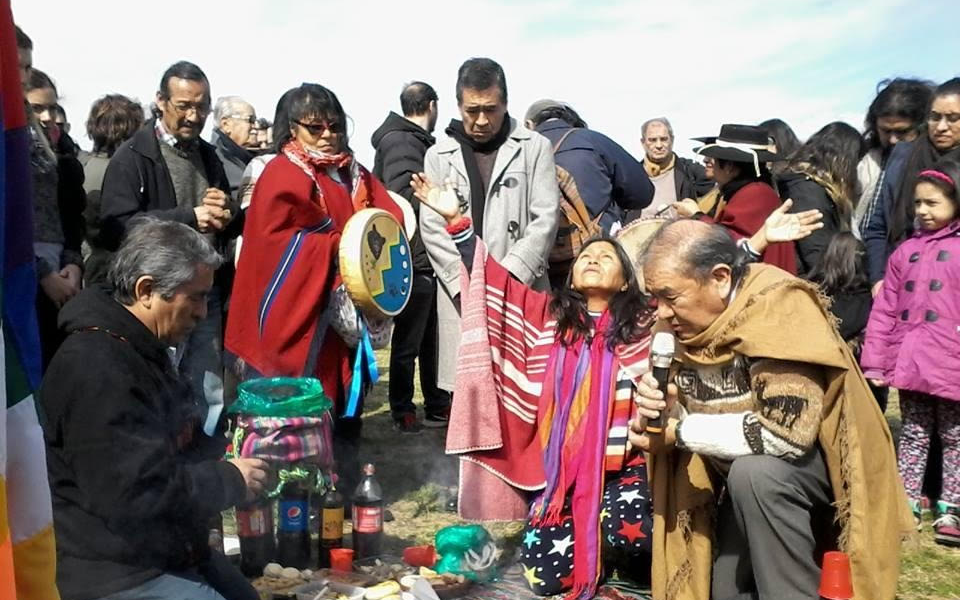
x,y
184,108
252,120
318,128
934,118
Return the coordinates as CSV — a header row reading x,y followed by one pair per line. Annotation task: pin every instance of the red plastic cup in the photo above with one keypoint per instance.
x,y
420,556
341,559
835,581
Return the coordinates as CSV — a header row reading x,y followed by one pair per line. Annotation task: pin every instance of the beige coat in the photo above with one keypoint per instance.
x,y
519,223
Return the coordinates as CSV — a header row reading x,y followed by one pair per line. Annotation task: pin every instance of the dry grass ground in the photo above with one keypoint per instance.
x,y
415,475
928,571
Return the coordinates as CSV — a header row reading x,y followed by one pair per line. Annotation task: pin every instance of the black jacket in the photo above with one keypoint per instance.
x,y
233,157
401,145
690,180
807,194
71,199
608,178
133,478
137,182
852,308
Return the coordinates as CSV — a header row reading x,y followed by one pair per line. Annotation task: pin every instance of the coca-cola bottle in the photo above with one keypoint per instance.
x,y
293,533
255,530
331,524
367,515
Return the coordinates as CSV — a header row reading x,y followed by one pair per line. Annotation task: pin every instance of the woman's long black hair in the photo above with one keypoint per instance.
x,y
902,98
630,311
843,266
308,101
832,155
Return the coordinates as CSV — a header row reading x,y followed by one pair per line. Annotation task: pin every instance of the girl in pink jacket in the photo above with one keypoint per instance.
x,y
913,341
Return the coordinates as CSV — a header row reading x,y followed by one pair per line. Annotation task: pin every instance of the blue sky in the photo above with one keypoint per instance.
x,y
618,63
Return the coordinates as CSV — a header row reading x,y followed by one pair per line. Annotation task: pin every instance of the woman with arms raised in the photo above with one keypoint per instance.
x,y
558,371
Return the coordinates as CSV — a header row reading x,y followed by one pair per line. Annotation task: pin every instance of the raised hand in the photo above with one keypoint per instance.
x,y
443,201
782,226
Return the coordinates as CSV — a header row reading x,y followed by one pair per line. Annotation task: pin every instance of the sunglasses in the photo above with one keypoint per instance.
x,y
318,128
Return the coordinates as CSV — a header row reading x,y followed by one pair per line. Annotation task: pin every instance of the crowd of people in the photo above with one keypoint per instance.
x,y
802,279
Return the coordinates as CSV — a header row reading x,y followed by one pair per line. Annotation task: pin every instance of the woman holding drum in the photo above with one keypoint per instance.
x,y
283,313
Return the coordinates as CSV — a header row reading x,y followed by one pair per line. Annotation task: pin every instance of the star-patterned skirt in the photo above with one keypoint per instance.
x,y
626,524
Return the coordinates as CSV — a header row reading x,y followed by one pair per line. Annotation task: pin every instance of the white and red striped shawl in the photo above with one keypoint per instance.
x,y
507,333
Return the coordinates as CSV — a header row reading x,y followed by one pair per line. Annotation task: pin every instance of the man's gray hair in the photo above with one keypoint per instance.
x,y
227,106
167,251
695,247
661,120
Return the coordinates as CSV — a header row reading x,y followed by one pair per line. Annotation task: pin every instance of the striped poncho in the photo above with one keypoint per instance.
x,y
525,414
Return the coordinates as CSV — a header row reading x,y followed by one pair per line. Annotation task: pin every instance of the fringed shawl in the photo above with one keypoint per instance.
x,y
763,322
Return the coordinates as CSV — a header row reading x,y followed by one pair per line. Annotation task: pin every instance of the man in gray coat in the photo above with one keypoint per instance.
x,y
507,182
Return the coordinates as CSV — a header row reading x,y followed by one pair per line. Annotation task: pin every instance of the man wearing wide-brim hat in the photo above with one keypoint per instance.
x,y
740,154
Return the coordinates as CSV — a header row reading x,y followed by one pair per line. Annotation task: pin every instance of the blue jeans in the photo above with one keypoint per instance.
x,y
217,580
170,587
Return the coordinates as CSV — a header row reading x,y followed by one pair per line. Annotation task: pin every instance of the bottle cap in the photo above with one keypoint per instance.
x,y
835,583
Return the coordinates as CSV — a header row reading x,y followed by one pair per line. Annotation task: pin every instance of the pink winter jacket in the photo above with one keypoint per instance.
x,y
913,336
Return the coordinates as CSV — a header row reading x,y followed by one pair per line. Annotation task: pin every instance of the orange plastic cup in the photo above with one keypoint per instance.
x,y
341,559
420,556
835,580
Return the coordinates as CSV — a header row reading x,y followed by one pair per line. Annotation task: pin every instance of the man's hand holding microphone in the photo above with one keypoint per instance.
x,y
653,430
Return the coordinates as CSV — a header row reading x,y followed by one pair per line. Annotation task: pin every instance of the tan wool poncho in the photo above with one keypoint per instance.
x,y
777,316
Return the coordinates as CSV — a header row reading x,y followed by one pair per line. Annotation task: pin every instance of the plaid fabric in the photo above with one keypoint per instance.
x,y
290,440
163,135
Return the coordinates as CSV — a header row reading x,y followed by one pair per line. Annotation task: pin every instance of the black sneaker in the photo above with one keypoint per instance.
x,y
437,420
407,424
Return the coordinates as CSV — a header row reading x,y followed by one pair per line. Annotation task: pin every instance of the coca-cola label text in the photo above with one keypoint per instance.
x,y
367,519
332,519
293,516
253,523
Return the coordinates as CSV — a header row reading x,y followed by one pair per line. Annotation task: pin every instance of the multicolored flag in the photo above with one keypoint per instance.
x,y
27,550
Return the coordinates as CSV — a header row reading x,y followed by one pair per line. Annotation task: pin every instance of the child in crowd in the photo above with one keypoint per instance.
x,y
913,341
842,276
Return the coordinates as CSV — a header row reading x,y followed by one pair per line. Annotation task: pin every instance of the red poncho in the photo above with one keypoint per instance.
x,y
743,215
288,269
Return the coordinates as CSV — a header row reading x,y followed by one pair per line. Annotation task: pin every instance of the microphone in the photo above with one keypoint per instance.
x,y
661,355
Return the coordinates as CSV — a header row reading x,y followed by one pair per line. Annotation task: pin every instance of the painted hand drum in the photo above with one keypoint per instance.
x,y
375,263
634,239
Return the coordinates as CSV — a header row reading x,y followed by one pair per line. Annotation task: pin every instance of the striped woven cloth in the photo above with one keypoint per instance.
x,y
289,439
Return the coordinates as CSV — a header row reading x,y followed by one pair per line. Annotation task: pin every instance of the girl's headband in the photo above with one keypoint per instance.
x,y
939,176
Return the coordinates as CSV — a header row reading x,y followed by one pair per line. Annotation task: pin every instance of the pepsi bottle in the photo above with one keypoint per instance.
x,y
293,532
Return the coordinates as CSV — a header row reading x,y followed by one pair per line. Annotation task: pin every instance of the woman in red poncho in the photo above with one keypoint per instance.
x,y
747,197
278,323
